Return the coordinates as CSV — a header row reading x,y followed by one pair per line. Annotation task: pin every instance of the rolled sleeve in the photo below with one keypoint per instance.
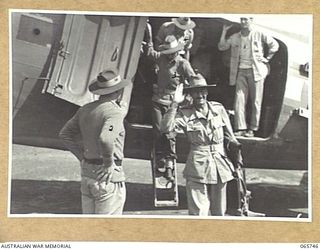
x,y
172,121
187,68
273,45
224,44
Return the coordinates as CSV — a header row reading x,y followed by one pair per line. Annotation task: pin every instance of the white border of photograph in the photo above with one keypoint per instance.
x,y
306,25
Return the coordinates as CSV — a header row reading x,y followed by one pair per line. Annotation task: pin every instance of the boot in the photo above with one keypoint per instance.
x,y
161,165
249,213
169,170
249,133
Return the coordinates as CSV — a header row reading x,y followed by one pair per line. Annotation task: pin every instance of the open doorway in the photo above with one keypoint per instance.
x,y
214,66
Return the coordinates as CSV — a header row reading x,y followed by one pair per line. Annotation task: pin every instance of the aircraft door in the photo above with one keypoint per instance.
x,y
90,44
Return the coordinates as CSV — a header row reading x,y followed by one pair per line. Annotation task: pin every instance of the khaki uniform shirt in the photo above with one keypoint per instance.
x,y
170,74
96,131
207,157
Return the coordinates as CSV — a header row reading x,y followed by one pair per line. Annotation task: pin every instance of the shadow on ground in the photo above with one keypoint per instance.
x,y
63,197
279,200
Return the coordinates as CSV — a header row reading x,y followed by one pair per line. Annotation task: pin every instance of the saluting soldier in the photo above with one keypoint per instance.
x,y
208,129
99,124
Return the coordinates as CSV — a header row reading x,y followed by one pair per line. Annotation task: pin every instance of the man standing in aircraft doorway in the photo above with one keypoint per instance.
x,y
249,66
99,125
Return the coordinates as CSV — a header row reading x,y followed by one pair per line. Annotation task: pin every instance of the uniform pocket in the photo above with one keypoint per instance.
x,y
218,133
257,48
194,134
198,165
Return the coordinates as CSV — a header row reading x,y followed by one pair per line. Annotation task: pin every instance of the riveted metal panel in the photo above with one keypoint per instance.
x,y
90,44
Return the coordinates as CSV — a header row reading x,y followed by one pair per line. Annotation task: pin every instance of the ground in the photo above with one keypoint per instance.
x,y
46,181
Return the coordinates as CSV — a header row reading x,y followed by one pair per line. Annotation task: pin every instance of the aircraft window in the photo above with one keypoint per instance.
x,y
35,29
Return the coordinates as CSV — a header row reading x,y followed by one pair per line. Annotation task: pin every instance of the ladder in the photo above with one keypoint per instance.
x,y
165,191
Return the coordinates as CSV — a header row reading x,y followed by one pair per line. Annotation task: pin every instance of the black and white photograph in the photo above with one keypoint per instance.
x,y
160,115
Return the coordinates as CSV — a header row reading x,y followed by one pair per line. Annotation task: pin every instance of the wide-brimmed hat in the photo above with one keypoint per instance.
x,y
170,45
108,81
184,23
196,82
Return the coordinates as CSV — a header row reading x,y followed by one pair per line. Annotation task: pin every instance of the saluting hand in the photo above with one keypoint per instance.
x,y
225,27
178,94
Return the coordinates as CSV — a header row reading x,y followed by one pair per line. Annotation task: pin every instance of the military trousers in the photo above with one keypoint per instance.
x,y
247,89
165,144
100,197
206,199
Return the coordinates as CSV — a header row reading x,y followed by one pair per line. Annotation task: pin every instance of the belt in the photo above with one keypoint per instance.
x,y
90,171
245,69
99,161
210,147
